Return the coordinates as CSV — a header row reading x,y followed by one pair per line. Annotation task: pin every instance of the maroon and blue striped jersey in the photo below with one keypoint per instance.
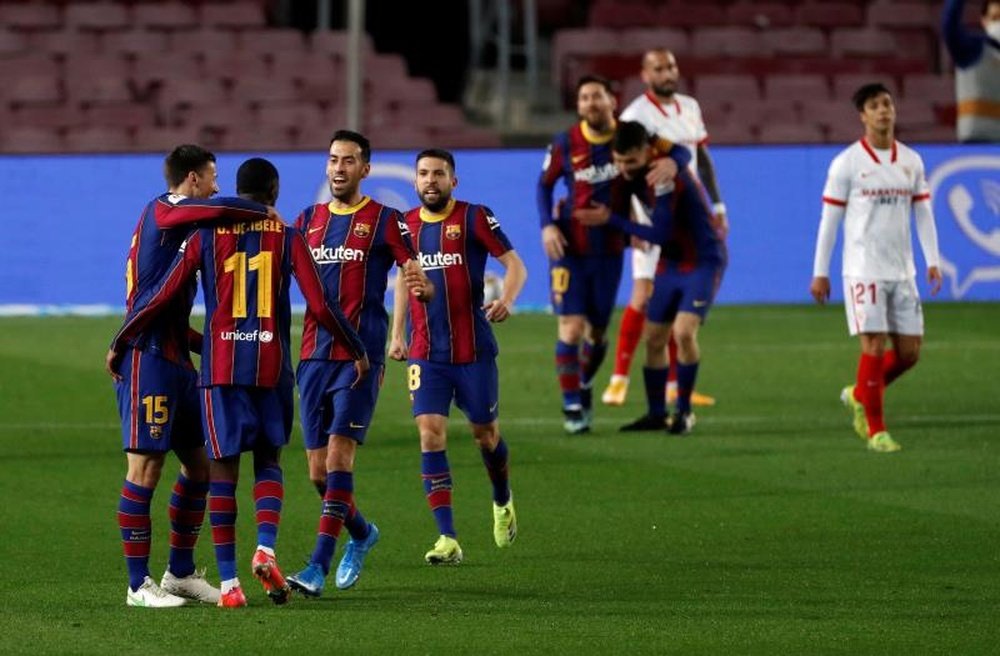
x,y
453,247
354,249
165,223
681,222
245,273
583,161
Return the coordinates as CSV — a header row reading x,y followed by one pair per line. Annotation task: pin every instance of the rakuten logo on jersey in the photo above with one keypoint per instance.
x,y
439,260
594,174
326,255
263,336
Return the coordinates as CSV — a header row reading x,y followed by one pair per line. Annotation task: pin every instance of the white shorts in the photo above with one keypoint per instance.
x,y
644,263
883,306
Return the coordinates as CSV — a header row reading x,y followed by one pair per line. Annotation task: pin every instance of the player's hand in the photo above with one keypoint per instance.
x,y
553,242
595,215
497,310
398,350
935,278
820,289
417,282
661,172
112,362
720,224
361,367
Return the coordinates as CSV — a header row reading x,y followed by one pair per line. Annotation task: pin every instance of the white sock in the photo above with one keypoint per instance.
x,y
229,584
268,550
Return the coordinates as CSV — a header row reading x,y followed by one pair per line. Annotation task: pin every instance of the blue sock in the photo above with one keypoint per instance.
x,y
686,375
187,513
568,368
496,466
592,358
437,487
356,524
336,505
268,496
656,390
222,515
136,530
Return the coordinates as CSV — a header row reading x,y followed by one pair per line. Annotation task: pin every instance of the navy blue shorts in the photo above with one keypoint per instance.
x,y
475,388
328,405
586,285
238,419
158,404
691,291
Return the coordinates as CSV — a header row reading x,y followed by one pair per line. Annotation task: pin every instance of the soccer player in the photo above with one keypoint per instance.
x,y
692,261
872,187
157,398
246,373
676,117
354,240
452,351
977,78
585,262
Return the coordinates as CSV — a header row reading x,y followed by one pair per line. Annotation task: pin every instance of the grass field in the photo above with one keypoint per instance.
x,y
771,530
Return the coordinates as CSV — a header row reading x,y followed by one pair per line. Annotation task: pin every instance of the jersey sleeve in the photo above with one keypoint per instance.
x,y
921,190
148,306
192,210
551,172
837,189
965,47
327,312
488,232
398,238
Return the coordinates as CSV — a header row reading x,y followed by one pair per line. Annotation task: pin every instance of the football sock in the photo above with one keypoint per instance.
x,y
321,488
893,367
268,494
869,389
187,513
591,360
336,505
655,380
437,487
568,368
356,524
496,466
222,516
672,358
686,375
629,334
136,530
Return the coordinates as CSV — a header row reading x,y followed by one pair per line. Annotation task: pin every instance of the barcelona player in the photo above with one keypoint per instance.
x,y
585,262
157,398
692,261
355,240
246,374
452,351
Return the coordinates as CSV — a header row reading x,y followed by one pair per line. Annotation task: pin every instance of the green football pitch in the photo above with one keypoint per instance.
x,y
770,530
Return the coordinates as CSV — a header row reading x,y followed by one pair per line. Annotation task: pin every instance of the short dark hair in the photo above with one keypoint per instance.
x,y
867,92
439,153
628,136
257,179
182,160
356,137
595,79
986,6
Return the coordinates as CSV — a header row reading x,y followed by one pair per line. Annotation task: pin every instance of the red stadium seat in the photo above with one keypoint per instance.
x,y
768,111
764,15
336,43
790,133
233,64
795,41
262,89
400,137
31,140
30,16
681,13
728,89
863,42
131,115
609,13
12,43
796,87
190,92
98,16
31,90
287,115
270,40
99,139
571,43
202,41
301,64
133,42
148,68
469,137
938,89
830,14
153,139
233,15
170,16
928,134
46,117
903,13
249,138
67,43
727,42
845,85
99,88
641,39
734,133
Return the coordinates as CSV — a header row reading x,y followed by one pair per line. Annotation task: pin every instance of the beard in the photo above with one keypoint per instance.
x,y
665,90
438,205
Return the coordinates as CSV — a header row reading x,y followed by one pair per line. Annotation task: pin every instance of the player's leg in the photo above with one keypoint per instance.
x,y
906,329
654,374
629,333
603,277
685,332
316,415
569,302
477,393
268,497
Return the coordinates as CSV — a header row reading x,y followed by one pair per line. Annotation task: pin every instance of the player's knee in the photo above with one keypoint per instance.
x,y
486,435
570,330
908,355
145,470
432,440
340,456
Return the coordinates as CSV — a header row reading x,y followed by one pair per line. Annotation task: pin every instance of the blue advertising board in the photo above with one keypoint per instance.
x,y
68,219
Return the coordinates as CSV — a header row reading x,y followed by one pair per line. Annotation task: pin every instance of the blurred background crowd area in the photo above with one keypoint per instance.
x,y
128,76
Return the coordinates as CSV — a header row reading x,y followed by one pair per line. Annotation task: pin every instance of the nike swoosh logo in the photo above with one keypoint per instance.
x,y
700,303
312,230
353,425
577,158
494,406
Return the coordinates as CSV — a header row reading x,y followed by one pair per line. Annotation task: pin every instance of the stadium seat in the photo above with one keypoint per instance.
x,y
99,139
400,137
45,117
65,43
845,85
97,16
679,13
767,111
580,42
155,139
864,42
233,15
468,137
131,115
12,43
733,133
796,41
903,13
133,42
763,15
299,64
609,13
336,43
822,13
270,40
31,90
99,87
289,115
790,133
938,89
796,88
727,42
175,92
234,64
30,16
148,68
31,140
169,16
631,88
641,39
323,86
435,116
202,41
729,89
262,89
929,134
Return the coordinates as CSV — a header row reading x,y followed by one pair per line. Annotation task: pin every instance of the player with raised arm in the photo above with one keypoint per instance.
x,y
873,186
355,240
676,118
452,351
246,373
157,395
585,262
692,261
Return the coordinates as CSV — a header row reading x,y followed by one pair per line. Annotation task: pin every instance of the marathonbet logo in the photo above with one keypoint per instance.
x,y
325,255
262,336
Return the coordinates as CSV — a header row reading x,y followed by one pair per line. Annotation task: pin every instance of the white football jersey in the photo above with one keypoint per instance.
x,y
678,121
878,189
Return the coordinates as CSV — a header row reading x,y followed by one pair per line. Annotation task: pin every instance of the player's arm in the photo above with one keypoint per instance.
x,y
553,240
195,340
835,194
671,158
514,277
398,348
397,236
193,210
327,311
923,216
965,47
148,306
706,171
